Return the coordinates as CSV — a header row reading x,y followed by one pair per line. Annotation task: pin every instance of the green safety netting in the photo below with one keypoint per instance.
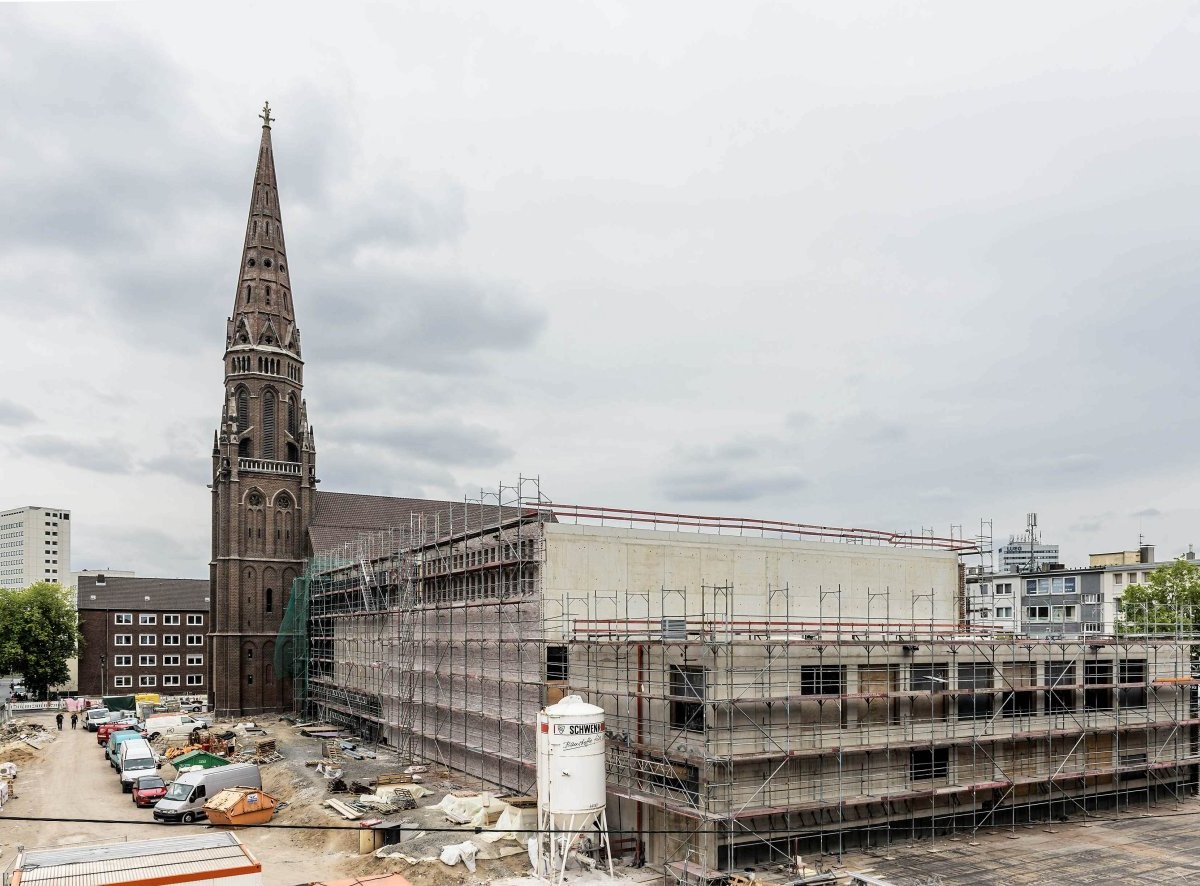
x,y
291,646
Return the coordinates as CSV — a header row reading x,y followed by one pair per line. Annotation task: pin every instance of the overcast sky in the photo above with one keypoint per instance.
x,y
884,265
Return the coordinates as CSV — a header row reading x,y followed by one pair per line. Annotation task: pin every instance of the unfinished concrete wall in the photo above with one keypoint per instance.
x,y
876,583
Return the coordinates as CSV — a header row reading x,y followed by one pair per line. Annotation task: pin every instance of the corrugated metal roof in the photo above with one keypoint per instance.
x,y
119,862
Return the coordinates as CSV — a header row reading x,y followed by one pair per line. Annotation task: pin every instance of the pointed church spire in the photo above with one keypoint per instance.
x,y
263,313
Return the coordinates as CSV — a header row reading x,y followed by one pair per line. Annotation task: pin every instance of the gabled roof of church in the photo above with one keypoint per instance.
x,y
340,517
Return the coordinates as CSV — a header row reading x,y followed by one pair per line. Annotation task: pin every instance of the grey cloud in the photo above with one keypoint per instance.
x,y
145,549
372,472
712,483
14,415
431,325
1147,512
155,213
799,420
446,442
189,468
731,471
104,456
871,428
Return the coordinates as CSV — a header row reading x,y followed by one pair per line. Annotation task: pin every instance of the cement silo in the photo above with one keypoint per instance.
x,y
571,781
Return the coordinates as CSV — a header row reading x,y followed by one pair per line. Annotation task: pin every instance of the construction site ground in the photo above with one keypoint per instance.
x,y
1145,846
69,779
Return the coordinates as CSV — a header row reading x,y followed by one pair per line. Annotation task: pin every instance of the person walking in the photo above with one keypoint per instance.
x,y
58,718
74,720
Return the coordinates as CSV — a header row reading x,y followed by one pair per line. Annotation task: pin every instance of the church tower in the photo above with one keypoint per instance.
x,y
264,466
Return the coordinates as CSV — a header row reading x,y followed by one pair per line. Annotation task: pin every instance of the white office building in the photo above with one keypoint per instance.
x,y
35,545
1023,555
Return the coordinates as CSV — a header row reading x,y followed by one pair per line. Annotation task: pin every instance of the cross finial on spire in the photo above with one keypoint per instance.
x,y
267,119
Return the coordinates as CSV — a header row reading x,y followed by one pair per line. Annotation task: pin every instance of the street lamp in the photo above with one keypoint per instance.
x,y
103,674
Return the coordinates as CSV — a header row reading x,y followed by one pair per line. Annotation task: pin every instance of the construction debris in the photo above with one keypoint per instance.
x,y
345,810
464,852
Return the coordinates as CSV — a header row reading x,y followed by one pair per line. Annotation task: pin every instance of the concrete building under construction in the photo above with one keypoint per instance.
x,y
771,688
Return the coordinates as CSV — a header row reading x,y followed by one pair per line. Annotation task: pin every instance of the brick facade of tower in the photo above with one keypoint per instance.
x,y
264,466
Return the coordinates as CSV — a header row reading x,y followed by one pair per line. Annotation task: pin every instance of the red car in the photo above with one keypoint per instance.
x,y
104,730
148,790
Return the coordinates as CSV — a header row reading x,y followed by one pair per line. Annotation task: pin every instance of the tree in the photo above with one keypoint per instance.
x,y
39,631
1168,603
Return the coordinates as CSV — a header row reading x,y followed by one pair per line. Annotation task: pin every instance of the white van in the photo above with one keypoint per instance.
x,y
137,759
187,795
172,724
93,717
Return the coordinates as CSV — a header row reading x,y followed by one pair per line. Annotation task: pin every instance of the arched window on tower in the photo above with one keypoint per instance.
x,y
270,600
292,417
268,412
243,421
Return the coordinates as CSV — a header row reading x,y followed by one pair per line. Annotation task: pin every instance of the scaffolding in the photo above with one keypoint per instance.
x,y
425,638
747,723
754,737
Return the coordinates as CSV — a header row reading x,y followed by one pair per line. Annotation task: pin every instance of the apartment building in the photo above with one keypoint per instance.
x,y
35,545
143,635
993,600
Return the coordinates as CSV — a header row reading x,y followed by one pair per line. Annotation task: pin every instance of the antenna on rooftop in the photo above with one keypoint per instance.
x,y
1032,520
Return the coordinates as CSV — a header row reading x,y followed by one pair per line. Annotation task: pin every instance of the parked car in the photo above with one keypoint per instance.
x,y
185,798
112,750
148,790
104,730
137,759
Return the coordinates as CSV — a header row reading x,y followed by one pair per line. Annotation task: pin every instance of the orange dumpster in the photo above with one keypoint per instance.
x,y
239,806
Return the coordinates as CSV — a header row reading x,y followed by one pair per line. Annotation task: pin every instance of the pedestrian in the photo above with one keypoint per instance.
x,y
58,719
74,720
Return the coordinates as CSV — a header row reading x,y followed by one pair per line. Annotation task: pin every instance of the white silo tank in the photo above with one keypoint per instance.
x,y
572,791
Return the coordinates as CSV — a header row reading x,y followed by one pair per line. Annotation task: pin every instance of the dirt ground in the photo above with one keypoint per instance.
x,y
69,779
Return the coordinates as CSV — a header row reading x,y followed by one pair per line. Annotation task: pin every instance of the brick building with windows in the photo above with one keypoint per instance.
x,y
143,635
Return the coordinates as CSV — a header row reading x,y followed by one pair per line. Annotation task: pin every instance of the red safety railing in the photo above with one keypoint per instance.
x,y
636,518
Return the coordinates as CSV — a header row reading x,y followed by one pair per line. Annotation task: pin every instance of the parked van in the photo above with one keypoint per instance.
x,y
186,796
112,750
168,724
137,759
94,717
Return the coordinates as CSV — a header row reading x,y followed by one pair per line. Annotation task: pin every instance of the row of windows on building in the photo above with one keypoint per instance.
x,y
266,365
152,639
145,681
151,661
1059,584
976,681
1129,577
149,618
